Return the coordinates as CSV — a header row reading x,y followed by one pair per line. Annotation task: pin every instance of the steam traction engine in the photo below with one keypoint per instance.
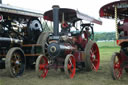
x,y
19,43
118,10
68,49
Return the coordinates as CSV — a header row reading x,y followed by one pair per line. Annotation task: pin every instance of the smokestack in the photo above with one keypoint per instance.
x,y
56,19
0,1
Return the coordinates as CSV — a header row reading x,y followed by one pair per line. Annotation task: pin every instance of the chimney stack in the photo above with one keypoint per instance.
x,y
0,1
56,20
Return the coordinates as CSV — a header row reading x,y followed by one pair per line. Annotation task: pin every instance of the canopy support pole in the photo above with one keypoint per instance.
x,y
116,23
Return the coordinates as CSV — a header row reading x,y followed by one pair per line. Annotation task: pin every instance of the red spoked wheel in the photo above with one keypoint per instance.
x,y
116,69
70,66
92,56
95,57
42,66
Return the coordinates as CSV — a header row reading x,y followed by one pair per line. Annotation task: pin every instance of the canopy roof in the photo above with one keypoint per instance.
x,y
19,11
108,10
70,15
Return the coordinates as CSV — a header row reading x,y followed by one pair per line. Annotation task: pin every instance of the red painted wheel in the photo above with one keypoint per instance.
x,y
70,66
42,66
116,69
92,56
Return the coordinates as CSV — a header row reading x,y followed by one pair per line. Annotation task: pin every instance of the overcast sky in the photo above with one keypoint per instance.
x,y
90,7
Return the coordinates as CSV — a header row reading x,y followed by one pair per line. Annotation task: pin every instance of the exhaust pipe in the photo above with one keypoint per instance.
x,y
10,40
56,20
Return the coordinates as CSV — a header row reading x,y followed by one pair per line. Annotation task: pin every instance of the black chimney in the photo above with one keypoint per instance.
x,y
0,1
56,19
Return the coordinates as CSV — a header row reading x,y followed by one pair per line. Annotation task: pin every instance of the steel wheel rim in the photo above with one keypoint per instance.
x,y
43,66
117,69
95,57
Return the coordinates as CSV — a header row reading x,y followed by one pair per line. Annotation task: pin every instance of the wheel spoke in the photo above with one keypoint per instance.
x,y
44,73
116,66
69,66
95,60
71,70
42,66
93,66
18,58
14,56
13,62
17,69
14,69
95,51
46,44
118,73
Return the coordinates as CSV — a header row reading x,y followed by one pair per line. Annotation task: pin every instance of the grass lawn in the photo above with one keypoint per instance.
x,y
107,44
101,77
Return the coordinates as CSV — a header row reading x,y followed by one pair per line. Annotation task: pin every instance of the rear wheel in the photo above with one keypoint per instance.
x,y
115,67
42,66
43,40
70,66
92,56
15,62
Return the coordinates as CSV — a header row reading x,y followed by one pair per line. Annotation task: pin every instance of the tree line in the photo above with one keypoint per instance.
x,y
104,36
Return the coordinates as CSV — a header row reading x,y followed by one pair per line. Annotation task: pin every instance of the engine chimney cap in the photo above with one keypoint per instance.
x,y
55,6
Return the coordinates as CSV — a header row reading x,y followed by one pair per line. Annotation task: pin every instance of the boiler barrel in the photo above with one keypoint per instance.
x,y
60,49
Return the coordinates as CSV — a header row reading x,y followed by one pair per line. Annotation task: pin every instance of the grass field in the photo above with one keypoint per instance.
x,y
101,77
107,44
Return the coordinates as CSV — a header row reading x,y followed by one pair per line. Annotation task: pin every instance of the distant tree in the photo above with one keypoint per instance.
x,y
104,36
46,28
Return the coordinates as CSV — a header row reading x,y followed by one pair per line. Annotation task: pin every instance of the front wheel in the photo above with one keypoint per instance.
x,y
42,66
15,62
115,66
70,66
